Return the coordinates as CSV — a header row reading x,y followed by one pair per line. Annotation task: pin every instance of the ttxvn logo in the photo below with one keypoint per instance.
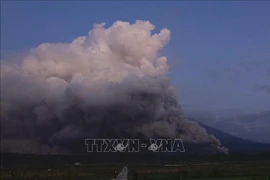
x,y
134,145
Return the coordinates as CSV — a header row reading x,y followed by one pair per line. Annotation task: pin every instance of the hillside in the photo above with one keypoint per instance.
x,y
236,144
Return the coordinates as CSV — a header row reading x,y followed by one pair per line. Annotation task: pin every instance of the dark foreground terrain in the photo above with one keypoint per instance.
x,y
232,167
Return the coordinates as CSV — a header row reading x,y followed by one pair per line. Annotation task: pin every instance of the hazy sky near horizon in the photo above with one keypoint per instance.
x,y
219,53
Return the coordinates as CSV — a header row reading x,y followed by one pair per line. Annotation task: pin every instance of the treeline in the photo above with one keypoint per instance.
x,y
158,158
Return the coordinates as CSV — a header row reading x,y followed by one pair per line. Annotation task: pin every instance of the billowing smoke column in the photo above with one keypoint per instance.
x,y
109,83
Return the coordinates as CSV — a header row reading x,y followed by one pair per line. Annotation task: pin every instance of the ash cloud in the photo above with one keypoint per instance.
x,y
109,83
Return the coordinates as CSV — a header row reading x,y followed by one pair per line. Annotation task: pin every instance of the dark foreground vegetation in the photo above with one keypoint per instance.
x,y
218,167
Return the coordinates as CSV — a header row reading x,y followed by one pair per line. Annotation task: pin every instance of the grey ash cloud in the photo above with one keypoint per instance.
x,y
109,83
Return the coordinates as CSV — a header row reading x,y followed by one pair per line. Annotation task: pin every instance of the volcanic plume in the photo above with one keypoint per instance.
x,y
110,82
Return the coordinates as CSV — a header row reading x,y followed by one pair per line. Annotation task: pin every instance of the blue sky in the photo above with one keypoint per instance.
x,y
217,54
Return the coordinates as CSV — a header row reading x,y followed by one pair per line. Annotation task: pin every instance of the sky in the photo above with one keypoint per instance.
x,y
219,53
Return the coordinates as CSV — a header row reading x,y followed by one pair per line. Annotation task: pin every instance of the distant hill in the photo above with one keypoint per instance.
x,y
250,126
254,126
236,144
